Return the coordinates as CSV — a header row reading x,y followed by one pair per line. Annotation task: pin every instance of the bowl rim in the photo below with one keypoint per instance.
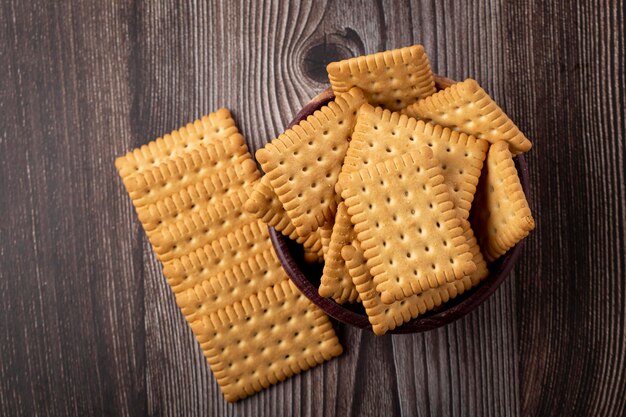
x,y
469,301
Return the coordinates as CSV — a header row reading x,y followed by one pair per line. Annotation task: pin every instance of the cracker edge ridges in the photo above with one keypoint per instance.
x,y
525,223
470,88
449,216
240,310
337,70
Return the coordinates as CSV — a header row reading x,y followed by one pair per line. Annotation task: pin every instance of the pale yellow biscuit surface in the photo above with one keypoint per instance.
x,y
466,107
407,225
392,79
501,216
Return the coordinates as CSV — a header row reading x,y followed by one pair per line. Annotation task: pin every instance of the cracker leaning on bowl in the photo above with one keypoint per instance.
x,y
458,124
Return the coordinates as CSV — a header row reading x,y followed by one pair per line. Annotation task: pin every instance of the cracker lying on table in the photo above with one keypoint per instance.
x,y
466,107
211,129
501,215
303,163
393,79
264,339
336,281
189,189
380,135
237,257
411,244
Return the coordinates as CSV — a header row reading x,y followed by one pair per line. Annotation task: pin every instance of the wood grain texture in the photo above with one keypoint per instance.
x,y
88,325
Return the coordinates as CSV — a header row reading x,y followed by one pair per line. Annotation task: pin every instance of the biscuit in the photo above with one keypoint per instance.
x,y
265,205
380,135
466,107
407,225
189,191
238,256
392,79
326,231
303,163
312,257
209,130
336,281
501,216
263,339
385,317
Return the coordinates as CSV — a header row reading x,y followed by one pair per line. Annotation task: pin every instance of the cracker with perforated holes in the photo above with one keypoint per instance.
x,y
466,107
501,215
303,163
189,189
264,339
380,135
407,225
385,317
235,259
393,79
211,129
336,281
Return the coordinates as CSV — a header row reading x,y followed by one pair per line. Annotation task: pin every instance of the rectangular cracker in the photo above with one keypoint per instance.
x,y
501,215
466,107
385,317
189,189
380,135
407,225
304,162
336,281
393,79
264,339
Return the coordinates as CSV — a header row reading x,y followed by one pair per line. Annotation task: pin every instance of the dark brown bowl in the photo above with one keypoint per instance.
x,y
307,276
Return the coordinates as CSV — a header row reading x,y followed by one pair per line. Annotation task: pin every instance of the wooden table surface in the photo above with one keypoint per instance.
x,y
88,326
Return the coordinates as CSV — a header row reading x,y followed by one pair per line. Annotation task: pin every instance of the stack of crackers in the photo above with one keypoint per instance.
x,y
387,185
254,326
418,188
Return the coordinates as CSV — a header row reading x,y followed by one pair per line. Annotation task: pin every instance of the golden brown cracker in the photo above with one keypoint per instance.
x,y
385,317
264,339
209,130
303,163
466,107
189,192
380,135
236,255
264,203
501,215
326,231
393,79
407,225
336,281
209,162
